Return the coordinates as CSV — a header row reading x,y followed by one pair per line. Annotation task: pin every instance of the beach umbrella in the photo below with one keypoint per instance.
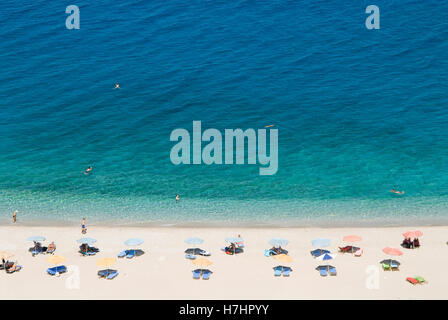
x,y
278,242
201,262
320,242
318,252
105,262
326,256
234,239
283,258
6,255
55,259
36,238
392,251
86,241
352,238
413,234
194,240
133,242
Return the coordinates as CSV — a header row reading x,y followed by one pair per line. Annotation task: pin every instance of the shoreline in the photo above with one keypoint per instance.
x,y
224,224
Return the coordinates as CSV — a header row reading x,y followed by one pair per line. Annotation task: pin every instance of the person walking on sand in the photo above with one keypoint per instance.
x,y
14,216
83,226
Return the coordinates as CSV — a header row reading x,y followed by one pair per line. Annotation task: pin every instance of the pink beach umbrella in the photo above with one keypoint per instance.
x,y
413,234
392,251
352,238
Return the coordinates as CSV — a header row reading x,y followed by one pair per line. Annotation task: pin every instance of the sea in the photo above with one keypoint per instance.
x,y
358,111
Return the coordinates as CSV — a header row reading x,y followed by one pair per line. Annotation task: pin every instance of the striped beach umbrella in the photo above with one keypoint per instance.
x,y
326,257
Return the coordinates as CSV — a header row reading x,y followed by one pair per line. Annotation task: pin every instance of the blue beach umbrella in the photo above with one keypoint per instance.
x,y
278,242
320,242
133,242
86,241
36,238
234,239
194,240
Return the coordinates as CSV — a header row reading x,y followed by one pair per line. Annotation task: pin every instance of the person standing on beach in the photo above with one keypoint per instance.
x,y
14,216
83,226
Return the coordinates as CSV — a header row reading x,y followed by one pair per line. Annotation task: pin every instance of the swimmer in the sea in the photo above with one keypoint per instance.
x,y
88,170
396,191
177,197
117,86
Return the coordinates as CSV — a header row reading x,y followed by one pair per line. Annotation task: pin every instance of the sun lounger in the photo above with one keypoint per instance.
x,y
323,272
332,271
394,266
122,254
190,256
197,274
278,271
17,268
286,271
358,253
206,274
412,280
419,279
112,275
131,254
108,273
58,269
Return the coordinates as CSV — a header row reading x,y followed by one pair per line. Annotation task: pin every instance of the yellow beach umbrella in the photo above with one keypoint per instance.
x,y
283,258
6,255
202,262
105,262
55,259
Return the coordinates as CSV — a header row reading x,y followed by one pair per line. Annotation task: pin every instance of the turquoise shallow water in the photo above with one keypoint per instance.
x,y
358,112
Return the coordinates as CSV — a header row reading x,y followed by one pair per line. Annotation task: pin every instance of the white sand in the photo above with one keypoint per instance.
x,y
164,273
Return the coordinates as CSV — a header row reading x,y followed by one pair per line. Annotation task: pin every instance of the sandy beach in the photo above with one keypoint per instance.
x,y
163,272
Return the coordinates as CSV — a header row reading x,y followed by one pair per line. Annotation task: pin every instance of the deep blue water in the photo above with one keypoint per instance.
x,y
358,111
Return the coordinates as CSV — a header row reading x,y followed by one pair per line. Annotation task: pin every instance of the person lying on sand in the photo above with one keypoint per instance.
x,y
51,247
